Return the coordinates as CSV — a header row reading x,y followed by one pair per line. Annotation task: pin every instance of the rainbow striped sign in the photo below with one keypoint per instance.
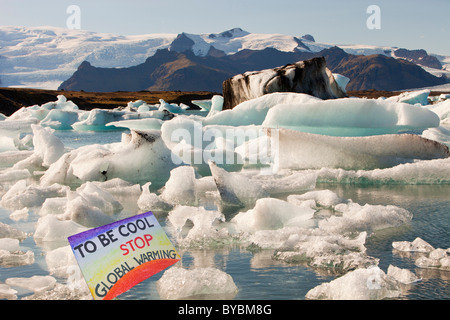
x,y
115,257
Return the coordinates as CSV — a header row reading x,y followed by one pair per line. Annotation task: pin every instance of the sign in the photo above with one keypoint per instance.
x,y
115,257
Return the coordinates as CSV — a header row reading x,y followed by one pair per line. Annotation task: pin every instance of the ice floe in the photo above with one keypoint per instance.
x,y
179,283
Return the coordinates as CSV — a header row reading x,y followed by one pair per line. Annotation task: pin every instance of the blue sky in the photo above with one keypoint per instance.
x,y
411,24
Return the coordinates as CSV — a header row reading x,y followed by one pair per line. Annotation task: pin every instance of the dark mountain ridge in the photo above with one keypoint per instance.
x,y
170,69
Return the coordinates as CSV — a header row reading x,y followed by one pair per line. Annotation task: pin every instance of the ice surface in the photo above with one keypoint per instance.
x,y
179,283
12,256
21,214
436,259
61,119
138,124
34,283
9,244
351,152
350,117
216,105
361,284
171,107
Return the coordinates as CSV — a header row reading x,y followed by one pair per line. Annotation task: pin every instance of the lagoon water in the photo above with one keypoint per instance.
x,y
255,273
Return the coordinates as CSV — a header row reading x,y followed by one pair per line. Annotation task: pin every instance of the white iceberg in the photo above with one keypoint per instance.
x,y
299,150
149,201
401,275
180,189
272,213
254,111
412,97
6,292
418,245
361,284
179,283
50,228
34,283
140,157
351,117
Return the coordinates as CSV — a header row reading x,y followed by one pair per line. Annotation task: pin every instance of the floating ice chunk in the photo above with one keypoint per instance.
x,y
6,231
234,188
272,213
421,172
206,227
119,188
440,134
34,283
357,218
412,97
361,284
21,196
82,212
216,105
442,109
14,175
436,259
289,182
324,198
97,197
254,111
141,156
299,150
342,81
149,201
401,275
6,292
138,124
9,244
351,117
172,108
204,105
46,145
418,245
9,158
180,189
320,249
21,214
50,228
11,255
53,206
61,119
179,283
61,262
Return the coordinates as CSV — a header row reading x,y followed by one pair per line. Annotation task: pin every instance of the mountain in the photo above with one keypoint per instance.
x,y
44,57
172,70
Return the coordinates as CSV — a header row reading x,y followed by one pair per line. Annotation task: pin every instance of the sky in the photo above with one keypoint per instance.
x,y
411,24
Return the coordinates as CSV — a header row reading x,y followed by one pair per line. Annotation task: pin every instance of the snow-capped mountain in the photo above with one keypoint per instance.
x,y
44,57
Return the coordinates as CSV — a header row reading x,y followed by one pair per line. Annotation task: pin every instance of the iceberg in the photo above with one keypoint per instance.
x,y
299,150
180,189
12,256
362,284
6,292
198,227
50,228
254,111
149,201
179,283
140,157
34,283
418,245
272,214
412,97
351,117
442,109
